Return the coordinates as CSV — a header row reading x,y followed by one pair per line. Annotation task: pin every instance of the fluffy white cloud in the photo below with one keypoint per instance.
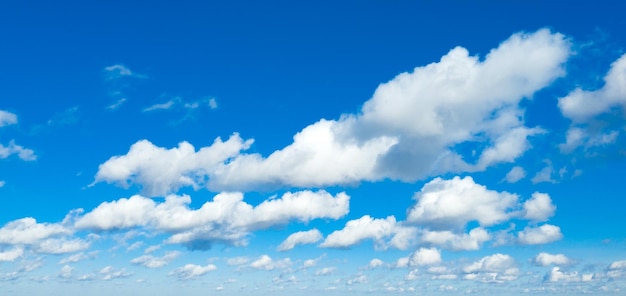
x,y
150,261
161,171
515,174
453,203
452,241
539,235
12,254
191,271
265,262
408,130
299,238
544,175
581,105
27,231
364,228
226,219
545,259
539,207
425,256
7,118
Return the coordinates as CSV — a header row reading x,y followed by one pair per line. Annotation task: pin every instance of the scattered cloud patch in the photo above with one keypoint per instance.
x,y
515,174
300,238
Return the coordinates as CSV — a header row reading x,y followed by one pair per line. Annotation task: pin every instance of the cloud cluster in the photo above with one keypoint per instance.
x,y
8,118
408,130
225,219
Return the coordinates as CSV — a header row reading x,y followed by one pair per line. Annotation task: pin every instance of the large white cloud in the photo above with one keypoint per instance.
x,y
408,130
425,256
455,202
493,268
226,219
12,254
453,241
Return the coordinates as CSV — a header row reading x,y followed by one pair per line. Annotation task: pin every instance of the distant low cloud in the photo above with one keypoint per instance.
x,y
300,238
191,271
515,174
7,118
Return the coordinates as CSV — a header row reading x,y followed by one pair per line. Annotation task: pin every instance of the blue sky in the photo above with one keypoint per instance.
x,y
343,148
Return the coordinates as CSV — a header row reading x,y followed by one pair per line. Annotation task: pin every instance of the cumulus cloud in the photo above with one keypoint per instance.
x,y
150,261
408,130
455,202
556,275
493,268
66,272
515,174
300,238
539,235
161,171
374,263
425,256
227,219
265,262
384,232
61,246
539,207
453,241
27,231
546,259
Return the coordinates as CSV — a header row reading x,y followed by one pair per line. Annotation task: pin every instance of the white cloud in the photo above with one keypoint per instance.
x,y
7,118
61,246
265,262
544,175
299,238
539,235
117,104
119,70
408,130
75,258
374,263
494,268
556,275
515,174
452,241
150,261
364,228
545,259
539,207
161,171
163,106
581,105
359,279
191,271
237,261
453,203
325,271
425,256
23,153
66,272
226,219
12,254
212,103
110,273
28,231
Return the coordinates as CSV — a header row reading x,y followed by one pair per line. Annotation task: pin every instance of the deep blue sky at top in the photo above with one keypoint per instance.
x,y
274,67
